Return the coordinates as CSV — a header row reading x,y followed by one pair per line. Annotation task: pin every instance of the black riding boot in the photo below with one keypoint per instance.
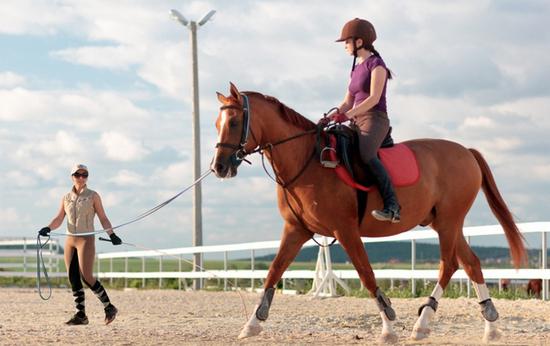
x,y
391,206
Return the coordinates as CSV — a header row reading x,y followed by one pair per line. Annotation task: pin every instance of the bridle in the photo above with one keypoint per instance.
x,y
239,152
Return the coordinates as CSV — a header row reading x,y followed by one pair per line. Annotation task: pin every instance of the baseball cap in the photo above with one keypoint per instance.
x,y
78,167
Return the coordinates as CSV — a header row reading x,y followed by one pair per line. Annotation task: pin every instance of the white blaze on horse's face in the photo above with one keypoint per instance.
x,y
223,120
222,164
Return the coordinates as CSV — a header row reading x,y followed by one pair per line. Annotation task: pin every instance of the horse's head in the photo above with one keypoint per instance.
x,y
233,125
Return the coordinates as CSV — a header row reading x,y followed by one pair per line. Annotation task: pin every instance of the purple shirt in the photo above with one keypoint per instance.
x,y
359,86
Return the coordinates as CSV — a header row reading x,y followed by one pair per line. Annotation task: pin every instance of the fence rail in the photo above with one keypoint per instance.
x,y
490,274
18,257
28,264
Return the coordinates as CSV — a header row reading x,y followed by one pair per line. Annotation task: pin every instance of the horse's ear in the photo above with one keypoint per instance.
x,y
235,92
222,98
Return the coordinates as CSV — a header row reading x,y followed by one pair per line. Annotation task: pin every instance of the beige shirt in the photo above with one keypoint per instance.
x,y
80,211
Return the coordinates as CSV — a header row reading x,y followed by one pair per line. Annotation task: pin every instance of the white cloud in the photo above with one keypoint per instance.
x,y
21,104
128,178
9,80
542,171
13,219
34,17
478,122
120,147
174,175
86,108
112,57
20,179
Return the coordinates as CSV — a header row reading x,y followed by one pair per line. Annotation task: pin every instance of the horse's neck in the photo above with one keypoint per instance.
x,y
287,159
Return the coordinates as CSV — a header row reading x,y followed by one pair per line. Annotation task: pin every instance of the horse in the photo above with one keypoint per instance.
x,y
312,200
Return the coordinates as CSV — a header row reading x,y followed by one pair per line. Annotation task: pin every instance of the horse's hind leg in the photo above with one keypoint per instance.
x,y
447,267
352,244
472,267
291,243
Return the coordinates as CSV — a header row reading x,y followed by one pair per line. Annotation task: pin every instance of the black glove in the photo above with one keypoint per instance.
x,y
115,239
45,231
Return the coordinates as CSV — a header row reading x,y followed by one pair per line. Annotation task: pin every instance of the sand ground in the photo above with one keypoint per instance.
x,y
170,317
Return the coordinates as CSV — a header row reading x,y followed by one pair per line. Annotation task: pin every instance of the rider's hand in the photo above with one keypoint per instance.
x,y
115,239
45,231
339,118
324,121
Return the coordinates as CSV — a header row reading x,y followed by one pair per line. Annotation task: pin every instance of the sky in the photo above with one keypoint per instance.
x,y
108,84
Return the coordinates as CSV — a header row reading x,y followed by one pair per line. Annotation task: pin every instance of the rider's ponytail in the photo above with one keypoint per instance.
x,y
375,52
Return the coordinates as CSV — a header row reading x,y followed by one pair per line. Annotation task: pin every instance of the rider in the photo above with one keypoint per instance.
x,y
80,205
365,105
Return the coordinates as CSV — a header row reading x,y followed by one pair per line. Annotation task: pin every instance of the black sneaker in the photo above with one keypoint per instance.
x,y
110,313
77,319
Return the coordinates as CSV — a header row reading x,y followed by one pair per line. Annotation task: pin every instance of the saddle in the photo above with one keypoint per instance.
x,y
342,153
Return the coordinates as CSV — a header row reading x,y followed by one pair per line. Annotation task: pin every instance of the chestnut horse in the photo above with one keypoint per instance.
x,y
313,200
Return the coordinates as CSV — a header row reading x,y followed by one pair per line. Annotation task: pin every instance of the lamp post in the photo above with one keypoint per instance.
x,y
197,191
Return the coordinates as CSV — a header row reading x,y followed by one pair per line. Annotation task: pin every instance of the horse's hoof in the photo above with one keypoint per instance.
x,y
493,335
388,338
420,333
249,331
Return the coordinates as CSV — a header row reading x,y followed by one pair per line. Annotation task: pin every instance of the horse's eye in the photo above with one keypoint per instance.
x,y
233,123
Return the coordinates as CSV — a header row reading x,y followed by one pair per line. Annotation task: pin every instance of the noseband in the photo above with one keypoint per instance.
x,y
239,153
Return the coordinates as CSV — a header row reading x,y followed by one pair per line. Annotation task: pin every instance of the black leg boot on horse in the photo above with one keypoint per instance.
x,y
391,205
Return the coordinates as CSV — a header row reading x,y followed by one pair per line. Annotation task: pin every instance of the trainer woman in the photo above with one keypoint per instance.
x,y
365,105
81,205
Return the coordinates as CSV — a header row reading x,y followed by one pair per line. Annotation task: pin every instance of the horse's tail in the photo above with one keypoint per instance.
x,y
501,212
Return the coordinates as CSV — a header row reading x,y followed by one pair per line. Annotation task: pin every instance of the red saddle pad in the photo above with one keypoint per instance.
x,y
399,160
401,164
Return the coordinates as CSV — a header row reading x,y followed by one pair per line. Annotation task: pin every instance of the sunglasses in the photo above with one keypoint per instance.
x,y
80,175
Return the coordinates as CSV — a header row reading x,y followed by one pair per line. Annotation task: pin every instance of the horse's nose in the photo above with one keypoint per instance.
x,y
220,168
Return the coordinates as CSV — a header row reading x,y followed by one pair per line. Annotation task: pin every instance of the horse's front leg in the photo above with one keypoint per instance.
x,y
351,242
291,243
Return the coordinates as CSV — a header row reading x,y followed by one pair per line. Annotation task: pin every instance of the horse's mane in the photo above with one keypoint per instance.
x,y
287,113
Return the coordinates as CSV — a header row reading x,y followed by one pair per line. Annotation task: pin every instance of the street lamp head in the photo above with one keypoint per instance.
x,y
206,18
179,17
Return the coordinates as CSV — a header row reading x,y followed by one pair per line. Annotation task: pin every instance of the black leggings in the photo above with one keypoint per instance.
x,y
74,273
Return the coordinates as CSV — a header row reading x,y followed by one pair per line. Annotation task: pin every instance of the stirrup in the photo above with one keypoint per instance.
x,y
387,215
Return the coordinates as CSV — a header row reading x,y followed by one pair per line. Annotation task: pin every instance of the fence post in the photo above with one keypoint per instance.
x,y
111,270
50,249
25,254
468,282
179,270
126,272
544,266
252,269
413,264
143,271
57,257
225,269
160,270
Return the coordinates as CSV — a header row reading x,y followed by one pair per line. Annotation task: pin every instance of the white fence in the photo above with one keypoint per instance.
x,y
491,274
18,257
